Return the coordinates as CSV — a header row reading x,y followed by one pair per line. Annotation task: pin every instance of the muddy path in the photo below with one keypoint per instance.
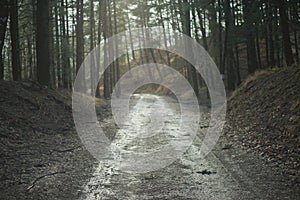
x,y
42,156
228,172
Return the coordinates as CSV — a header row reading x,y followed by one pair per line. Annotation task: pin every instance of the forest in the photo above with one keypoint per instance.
x,y
150,99
47,41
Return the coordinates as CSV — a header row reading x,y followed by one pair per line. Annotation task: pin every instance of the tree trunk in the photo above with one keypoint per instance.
x,y
295,19
271,35
57,48
98,61
4,5
185,8
130,37
52,49
80,42
64,45
250,31
104,29
277,45
117,64
221,63
203,29
42,42
229,46
68,67
14,33
73,43
284,24
111,49
258,49
92,64
33,38
213,25
79,35
165,35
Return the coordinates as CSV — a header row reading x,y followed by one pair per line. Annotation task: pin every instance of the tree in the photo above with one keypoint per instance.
x,y
250,35
185,9
57,46
228,46
42,43
105,30
65,45
80,41
268,29
117,64
79,35
4,5
284,24
16,68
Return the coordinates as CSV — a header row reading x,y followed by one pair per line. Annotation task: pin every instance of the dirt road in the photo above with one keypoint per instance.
x,y
228,172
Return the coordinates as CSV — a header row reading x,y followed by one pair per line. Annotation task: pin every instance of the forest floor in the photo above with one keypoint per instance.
x,y
257,157
264,114
41,155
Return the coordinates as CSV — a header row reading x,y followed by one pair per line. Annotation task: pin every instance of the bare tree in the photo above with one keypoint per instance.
x,y
42,42
14,34
284,23
4,5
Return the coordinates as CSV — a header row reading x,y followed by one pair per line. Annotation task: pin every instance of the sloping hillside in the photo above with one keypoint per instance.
x,y
265,112
41,154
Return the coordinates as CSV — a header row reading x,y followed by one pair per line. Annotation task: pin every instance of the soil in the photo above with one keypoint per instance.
x,y
264,116
228,172
41,153
42,157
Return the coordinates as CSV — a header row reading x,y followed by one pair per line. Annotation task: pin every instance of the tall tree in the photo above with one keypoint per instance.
x,y
80,42
92,36
220,38
228,46
42,43
14,34
105,30
285,29
4,5
117,63
65,44
271,33
79,35
249,7
185,9
57,46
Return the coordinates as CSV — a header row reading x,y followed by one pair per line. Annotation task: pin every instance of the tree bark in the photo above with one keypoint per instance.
x,y
80,42
92,64
271,35
284,24
57,47
229,57
4,5
117,64
42,42
104,29
79,35
15,47
250,35
185,8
